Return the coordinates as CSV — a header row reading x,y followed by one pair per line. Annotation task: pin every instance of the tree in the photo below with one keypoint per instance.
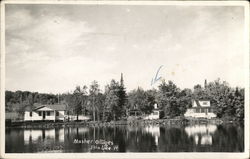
x,y
122,96
112,100
142,100
137,99
219,95
100,102
94,98
199,93
151,100
226,101
184,100
77,101
167,98
239,104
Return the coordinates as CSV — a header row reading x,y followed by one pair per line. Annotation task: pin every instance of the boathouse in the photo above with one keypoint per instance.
x,y
46,112
200,109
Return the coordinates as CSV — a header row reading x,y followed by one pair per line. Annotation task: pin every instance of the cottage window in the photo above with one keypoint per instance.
x,y
57,113
40,113
31,114
48,113
202,110
204,103
197,110
155,113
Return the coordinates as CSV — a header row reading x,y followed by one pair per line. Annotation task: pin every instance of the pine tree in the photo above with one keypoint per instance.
x,y
122,96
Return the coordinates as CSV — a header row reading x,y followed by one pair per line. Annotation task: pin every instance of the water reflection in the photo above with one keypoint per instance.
x,y
192,138
202,134
36,136
32,135
154,131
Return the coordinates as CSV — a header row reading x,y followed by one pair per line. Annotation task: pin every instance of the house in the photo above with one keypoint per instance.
x,y
155,113
200,109
46,112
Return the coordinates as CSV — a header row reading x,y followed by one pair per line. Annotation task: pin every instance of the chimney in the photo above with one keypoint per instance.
x,y
121,81
155,106
205,84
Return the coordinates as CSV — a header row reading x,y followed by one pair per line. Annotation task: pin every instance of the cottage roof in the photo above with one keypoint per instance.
x,y
201,103
53,107
197,103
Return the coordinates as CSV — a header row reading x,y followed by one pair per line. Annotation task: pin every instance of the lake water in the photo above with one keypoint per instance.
x,y
192,138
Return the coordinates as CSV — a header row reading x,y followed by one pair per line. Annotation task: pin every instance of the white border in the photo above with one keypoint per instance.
x,y
2,82
204,155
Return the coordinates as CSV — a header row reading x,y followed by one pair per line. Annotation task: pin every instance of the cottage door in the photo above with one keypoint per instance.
x,y
44,115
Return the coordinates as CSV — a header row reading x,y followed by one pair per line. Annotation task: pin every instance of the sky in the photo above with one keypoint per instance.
x,y
54,48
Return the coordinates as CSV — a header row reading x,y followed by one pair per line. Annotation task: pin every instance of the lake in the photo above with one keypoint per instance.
x,y
190,138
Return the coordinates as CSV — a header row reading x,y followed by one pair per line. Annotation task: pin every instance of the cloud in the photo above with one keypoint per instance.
x,y
56,34
53,48
18,20
30,39
34,43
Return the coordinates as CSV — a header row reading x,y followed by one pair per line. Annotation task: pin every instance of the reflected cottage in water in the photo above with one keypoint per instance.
x,y
37,136
154,131
202,134
206,137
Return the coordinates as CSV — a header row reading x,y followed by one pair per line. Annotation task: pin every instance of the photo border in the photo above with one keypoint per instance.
x,y
188,155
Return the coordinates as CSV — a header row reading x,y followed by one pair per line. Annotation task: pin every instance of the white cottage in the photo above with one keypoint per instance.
x,y
46,112
200,109
155,113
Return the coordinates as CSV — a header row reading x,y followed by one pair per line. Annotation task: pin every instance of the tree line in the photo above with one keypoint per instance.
x,y
115,103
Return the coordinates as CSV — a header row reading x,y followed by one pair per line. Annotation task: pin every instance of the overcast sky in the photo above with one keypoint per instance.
x,y
53,48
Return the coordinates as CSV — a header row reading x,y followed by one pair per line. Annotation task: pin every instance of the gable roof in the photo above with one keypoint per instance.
x,y
53,107
197,103
201,103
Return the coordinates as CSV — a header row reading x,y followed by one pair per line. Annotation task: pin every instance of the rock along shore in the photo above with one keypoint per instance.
x,y
161,122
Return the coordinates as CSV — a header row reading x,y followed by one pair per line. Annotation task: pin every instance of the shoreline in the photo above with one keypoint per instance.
x,y
160,122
